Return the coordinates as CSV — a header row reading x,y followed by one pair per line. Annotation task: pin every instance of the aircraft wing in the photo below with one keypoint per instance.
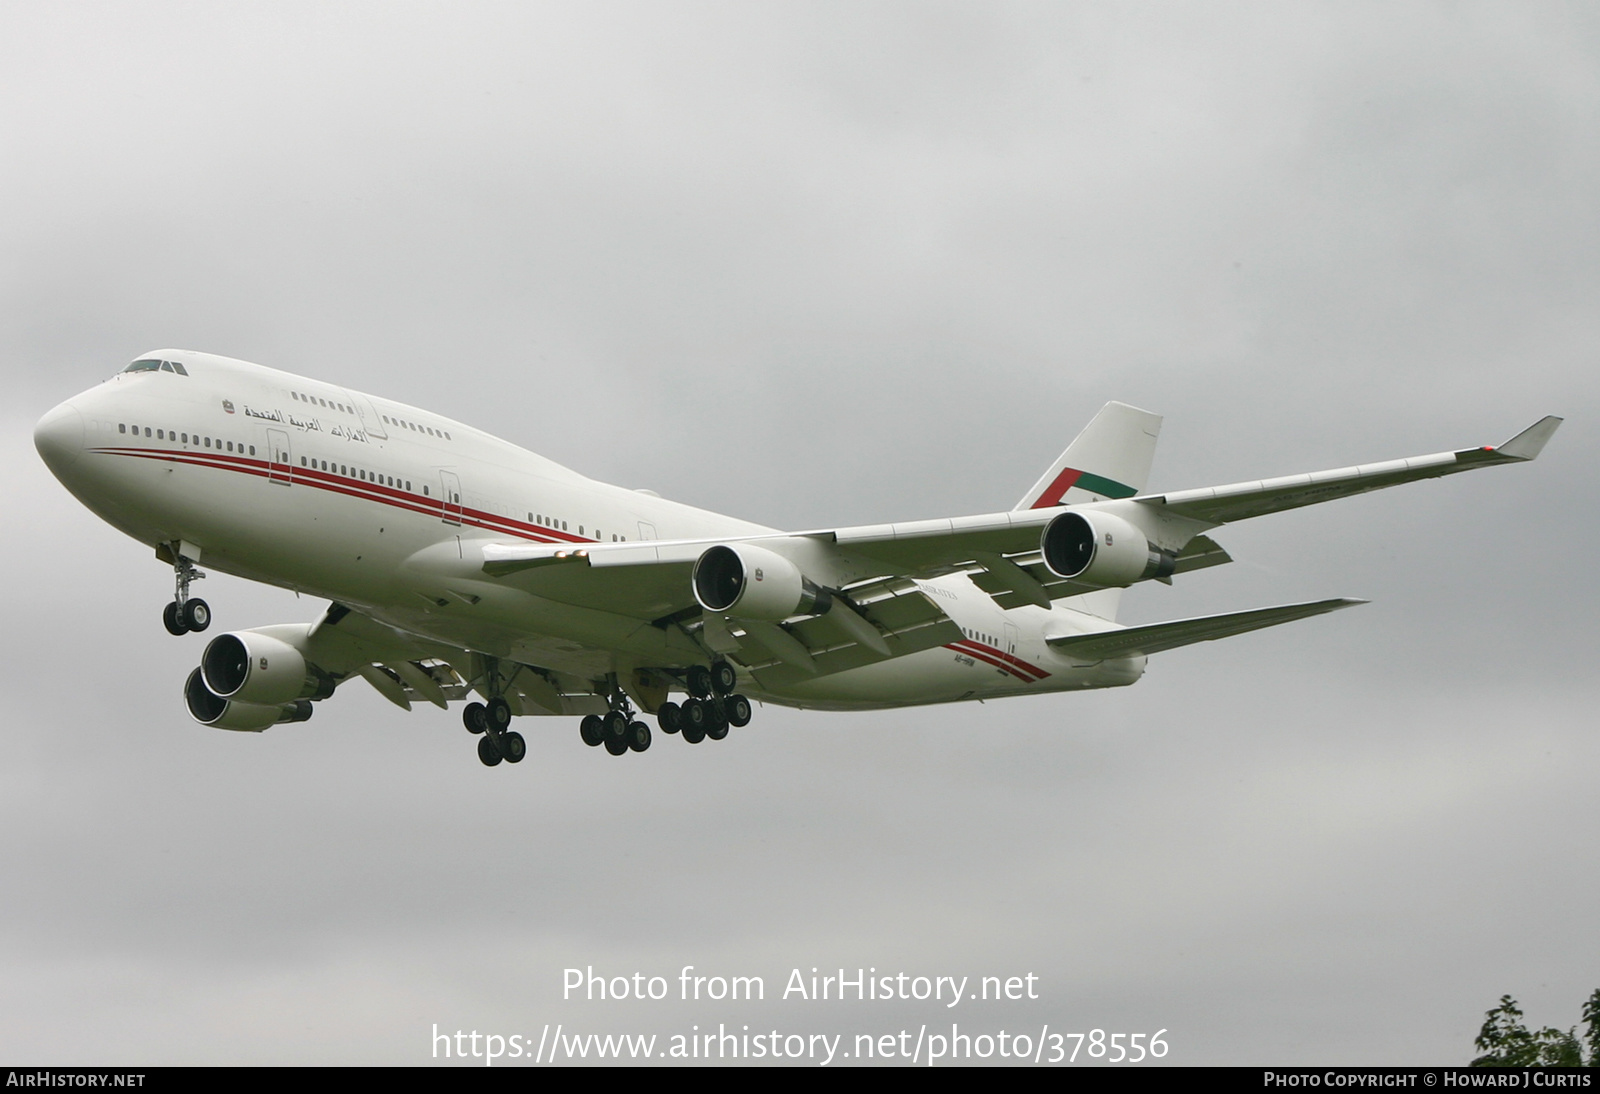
x,y
1156,637
1221,504
877,566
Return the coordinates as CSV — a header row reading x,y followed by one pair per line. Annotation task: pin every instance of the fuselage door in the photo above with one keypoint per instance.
x,y
371,420
279,470
647,530
452,497
1009,637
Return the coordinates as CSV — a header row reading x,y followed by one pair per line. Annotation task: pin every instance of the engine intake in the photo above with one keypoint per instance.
x,y
253,668
754,583
1101,549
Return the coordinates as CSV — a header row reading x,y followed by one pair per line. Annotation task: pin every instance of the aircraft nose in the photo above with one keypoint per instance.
x,y
59,438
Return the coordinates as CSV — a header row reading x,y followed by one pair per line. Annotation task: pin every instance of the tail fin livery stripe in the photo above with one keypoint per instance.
x,y
1083,480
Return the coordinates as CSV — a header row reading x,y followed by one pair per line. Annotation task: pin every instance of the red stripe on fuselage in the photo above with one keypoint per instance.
x,y
369,490
1017,667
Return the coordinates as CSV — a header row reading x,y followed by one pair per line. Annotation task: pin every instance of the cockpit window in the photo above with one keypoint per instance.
x,y
152,364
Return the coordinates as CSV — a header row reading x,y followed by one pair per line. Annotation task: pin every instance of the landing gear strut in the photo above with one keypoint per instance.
x,y
712,706
619,729
185,613
498,741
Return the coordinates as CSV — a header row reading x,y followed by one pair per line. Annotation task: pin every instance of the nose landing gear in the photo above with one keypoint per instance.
x,y
185,613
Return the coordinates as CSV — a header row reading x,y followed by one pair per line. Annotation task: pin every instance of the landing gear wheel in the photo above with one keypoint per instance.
x,y
669,717
475,718
488,751
592,730
196,614
638,736
723,678
717,730
513,746
616,747
172,616
738,710
499,714
699,681
695,713
616,727
693,734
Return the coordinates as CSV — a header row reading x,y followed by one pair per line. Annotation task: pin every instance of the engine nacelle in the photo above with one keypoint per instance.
x,y
210,709
1101,549
754,583
253,668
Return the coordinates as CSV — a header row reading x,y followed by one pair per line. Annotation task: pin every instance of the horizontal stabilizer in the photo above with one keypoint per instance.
x,y
1183,632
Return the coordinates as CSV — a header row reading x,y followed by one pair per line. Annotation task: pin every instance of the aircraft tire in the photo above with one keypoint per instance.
x,y
475,718
670,717
699,681
638,736
739,712
488,751
499,713
592,729
514,747
717,730
723,678
616,746
693,734
172,618
196,614
616,726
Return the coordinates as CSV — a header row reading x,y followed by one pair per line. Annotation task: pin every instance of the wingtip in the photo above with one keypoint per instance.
x,y
1531,441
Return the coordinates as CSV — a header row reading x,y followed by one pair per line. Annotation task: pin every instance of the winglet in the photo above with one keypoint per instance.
x,y
1531,441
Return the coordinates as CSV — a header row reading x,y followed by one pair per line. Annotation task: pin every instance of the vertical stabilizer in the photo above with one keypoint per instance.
x,y
1109,459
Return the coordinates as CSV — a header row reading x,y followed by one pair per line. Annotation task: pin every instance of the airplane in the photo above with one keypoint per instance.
x,y
459,564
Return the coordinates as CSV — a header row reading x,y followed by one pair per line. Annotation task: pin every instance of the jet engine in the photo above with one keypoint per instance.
x,y
1101,549
249,681
252,668
212,710
749,582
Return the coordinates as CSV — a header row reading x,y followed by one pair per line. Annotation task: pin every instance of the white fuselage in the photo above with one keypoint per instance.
x,y
385,508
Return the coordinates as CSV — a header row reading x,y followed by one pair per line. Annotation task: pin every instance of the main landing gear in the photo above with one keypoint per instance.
x,y
711,708
619,729
496,741
186,613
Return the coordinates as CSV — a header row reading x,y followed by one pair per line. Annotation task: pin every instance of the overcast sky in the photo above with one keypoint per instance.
x,y
816,264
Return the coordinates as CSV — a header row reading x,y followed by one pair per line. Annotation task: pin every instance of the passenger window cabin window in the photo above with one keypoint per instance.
x,y
122,427
252,450
147,431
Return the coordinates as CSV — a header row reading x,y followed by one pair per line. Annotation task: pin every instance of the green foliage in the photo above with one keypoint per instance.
x,y
1505,1042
